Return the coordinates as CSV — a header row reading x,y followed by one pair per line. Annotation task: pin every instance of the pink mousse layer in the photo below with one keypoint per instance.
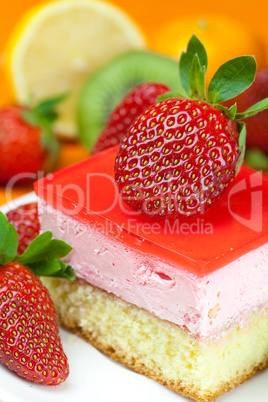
x,y
206,306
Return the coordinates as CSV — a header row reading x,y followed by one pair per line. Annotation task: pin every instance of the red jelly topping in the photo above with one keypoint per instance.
x,y
232,227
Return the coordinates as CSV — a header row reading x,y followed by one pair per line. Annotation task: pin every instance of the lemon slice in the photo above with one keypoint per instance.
x,y
58,45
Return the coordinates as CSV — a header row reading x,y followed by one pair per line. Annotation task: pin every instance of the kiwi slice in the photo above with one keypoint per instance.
x,y
107,87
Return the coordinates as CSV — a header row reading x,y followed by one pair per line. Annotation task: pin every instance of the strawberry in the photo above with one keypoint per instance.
x,y
134,103
180,155
26,222
257,126
30,343
26,141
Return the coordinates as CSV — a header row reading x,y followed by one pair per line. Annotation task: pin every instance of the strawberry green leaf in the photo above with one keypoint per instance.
x,y
44,247
35,249
30,117
231,79
229,112
8,241
258,107
44,268
242,135
47,108
40,256
256,159
168,95
197,79
195,47
66,271
52,268
48,139
43,116
242,145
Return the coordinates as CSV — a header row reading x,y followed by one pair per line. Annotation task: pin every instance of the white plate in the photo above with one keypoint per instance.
x,y
96,378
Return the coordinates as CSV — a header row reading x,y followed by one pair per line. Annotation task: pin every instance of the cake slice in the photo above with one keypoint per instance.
x,y
184,303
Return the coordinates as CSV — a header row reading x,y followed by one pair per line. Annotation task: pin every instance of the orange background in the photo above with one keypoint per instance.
x,y
149,14
152,13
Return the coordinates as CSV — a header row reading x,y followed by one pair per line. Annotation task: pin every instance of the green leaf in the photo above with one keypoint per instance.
x,y
168,95
242,135
8,241
40,256
256,159
66,271
46,109
231,79
44,268
242,145
43,116
258,107
30,117
53,268
35,249
195,47
197,79
229,112
49,140
42,248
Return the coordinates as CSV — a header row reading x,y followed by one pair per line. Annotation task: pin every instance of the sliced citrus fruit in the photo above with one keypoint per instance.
x,y
58,45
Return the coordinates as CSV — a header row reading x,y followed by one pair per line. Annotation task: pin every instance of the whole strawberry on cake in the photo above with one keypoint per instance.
x,y
134,103
181,154
171,274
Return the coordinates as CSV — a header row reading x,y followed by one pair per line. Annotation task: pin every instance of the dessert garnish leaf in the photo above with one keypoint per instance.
x,y
195,50
8,241
242,144
44,247
258,107
65,271
231,79
197,79
53,268
41,256
230,112
172,94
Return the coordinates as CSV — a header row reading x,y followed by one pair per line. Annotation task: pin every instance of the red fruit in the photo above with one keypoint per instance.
x,y
257,126
177,159
22,151
29,336
26,140
26,222
135,102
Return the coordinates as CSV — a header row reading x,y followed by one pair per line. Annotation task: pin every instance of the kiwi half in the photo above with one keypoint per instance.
x,y
108,86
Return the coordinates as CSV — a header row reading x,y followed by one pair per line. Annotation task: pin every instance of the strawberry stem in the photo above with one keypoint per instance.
x,y
44,115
